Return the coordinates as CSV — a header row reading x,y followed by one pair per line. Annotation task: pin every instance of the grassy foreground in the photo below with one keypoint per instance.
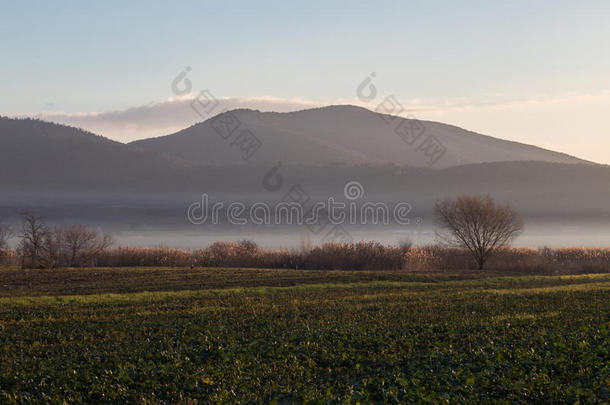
x,y
227,335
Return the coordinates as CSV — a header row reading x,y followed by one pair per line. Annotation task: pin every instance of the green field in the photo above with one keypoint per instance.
x,y
229,335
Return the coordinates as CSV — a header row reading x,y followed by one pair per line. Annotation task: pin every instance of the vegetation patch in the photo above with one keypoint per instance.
x,y
350,341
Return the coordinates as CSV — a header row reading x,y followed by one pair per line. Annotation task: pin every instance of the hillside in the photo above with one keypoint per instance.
x,y
41,155
340,134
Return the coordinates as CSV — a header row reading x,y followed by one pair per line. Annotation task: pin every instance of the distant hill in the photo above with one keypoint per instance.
x,y
67,174
340,134
36,154
39,157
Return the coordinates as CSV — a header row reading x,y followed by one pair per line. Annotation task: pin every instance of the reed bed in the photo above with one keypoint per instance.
x,y
350,256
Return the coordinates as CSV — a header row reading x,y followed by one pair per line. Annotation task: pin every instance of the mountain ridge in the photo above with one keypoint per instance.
x,y
38,155
344,134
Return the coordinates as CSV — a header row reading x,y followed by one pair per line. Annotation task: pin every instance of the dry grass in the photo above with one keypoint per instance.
x,y
354,256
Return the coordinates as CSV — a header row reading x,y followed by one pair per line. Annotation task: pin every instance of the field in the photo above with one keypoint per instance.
x,y
228,335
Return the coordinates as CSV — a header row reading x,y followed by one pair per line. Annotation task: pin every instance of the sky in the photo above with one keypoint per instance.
x,y
531,71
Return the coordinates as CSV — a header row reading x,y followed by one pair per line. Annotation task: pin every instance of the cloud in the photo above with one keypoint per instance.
x,y
156,119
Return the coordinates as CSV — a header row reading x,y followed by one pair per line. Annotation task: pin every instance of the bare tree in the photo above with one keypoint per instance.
x,y
5,234
67,245
32,239
82,245
478,224
52,252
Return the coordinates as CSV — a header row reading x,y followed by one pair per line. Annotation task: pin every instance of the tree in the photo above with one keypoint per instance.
x,y
66,245
52,251
5,234
478,224
32,239
82,245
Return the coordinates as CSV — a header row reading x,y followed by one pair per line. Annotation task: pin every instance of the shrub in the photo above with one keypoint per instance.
x,y
352,256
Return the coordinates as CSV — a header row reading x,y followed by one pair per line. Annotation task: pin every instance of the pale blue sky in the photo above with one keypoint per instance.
x,y
75,56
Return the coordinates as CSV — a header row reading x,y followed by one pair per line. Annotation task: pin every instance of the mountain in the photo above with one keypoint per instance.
x,y
339,134
67,174
42,155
